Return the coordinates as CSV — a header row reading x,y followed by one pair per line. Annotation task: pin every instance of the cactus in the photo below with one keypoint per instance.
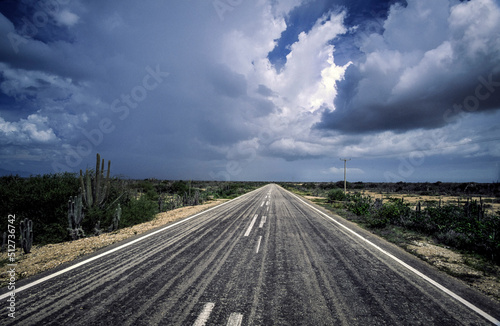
x,y
97,228
95,188
116,219
26,227
75,216
196,199
160,203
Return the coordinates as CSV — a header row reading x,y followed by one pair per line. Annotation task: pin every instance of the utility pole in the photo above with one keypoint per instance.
x,y
345,173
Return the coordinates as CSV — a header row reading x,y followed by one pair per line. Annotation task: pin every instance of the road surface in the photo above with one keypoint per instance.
x,y
266,258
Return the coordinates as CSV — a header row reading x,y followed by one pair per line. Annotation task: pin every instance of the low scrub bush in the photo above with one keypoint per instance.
x,y
393,212
335,195
137,211
41,198
464,226
359,204
44,200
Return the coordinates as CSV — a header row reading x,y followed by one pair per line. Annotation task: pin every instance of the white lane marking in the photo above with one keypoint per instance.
x,y
267,203
235,319
48,277
262,203
262,221
423,276
205,313
251,225
258,245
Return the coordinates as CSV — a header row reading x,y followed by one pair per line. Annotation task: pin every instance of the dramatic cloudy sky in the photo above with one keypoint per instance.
x,y
253,90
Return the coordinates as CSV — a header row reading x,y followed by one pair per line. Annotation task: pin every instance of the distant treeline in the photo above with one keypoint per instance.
x,y
418,188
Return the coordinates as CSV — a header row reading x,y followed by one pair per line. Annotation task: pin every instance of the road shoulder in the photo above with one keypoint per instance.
x,y
53,257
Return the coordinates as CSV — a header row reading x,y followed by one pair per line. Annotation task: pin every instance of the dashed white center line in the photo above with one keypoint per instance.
x,y
205,313
258,245
262,221
251,225
235,319
262,203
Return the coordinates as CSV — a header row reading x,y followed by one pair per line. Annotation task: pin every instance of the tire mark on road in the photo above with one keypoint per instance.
x,y
53,299
190,274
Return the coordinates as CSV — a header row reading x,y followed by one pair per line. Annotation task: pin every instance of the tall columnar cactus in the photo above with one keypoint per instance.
x,y
95,187
75,216
26,227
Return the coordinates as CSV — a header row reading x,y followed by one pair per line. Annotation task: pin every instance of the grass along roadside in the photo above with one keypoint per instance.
x,y
43,258
470,268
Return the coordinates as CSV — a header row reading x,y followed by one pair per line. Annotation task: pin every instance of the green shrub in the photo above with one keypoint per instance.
x,y
138,211
43,199
359,204
335,195
394,211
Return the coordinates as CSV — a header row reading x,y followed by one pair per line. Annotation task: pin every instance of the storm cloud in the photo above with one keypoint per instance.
x,y
251,90
434,61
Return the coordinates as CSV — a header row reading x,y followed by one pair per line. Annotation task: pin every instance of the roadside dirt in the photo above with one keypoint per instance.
x,y
490,205
43,258
466,268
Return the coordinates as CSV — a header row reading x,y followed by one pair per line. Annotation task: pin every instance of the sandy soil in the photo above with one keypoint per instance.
x,y
458,265
46,257
414,199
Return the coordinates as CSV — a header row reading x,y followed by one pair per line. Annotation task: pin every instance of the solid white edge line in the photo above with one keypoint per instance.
x,y
48,277
423,276
204,315
251,225
235,319
258,245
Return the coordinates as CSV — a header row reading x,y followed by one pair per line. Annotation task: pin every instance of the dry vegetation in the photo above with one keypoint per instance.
x,y
491,206
43,258
473,270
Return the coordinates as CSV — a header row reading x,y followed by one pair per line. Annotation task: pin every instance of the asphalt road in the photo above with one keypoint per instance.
x,y
266,258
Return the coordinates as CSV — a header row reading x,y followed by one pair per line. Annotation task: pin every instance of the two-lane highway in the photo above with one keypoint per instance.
x,y
266,258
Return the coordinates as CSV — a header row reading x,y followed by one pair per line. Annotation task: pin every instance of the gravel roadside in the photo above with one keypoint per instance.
x,y
43,258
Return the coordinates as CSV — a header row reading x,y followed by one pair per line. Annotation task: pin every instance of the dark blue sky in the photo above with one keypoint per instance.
x,y
273,90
